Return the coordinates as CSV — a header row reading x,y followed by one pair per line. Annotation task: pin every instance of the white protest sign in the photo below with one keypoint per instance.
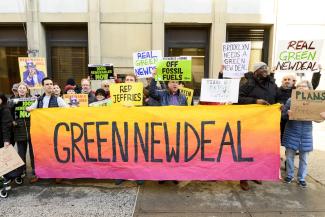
x,y
144,62
219,90
9,160
298,55
235,58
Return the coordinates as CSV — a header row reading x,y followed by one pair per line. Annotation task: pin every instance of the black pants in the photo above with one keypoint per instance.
x,y
22,151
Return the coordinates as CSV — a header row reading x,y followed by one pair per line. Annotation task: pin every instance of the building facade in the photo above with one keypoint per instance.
x,y
73,33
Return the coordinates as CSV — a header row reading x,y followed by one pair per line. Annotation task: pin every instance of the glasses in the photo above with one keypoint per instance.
x,y
105,85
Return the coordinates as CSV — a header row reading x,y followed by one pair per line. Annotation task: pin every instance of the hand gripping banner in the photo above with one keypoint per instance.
x,y
232,142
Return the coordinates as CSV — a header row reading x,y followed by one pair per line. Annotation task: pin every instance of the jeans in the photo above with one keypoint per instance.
x,y
302,170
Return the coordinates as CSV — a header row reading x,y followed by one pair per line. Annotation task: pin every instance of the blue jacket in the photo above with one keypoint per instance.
x,y
164,96
298,135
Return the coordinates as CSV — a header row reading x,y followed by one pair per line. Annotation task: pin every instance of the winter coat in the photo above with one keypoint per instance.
x,y
164,96
298,135
5,124
255,89
284,94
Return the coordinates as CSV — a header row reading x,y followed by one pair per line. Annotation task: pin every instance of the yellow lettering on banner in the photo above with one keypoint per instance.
x,y
128,94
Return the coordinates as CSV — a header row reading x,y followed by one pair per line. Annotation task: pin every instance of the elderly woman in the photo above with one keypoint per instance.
x,y
298,136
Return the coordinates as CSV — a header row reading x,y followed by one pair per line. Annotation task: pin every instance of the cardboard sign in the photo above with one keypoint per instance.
x,y
307,105
219,90
128,94
145,61
20,106
298,56
158,143
188,93
236,58
32,70
103,103
101,72
76,100
174,69
9,160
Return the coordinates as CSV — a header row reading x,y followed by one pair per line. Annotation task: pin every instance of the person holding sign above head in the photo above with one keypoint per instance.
x,y
259,89
298,136
47,100
69,89
169,96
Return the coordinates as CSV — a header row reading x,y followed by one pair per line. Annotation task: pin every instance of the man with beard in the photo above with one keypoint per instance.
x,y
260,88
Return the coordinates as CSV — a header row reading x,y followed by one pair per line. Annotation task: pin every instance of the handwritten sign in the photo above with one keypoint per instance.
x,y
298,56
236,58
188,93
76,100
145,61
100,72
174,69
127,93
219,90
9,160
307,105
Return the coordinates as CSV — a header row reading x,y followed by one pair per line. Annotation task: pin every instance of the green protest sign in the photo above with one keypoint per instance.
x,y
20,107
174,70
100,72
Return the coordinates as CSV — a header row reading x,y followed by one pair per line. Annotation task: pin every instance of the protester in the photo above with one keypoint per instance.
x,y
21,127
56,90
129,79
147,100
5,128
298,136
100,95
69,89
5,121
169,96
14,91
105,86
47,100
85,89
260,88
72,82
166,97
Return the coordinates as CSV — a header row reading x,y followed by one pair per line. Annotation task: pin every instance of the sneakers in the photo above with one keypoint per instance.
x,y
288,180
302,184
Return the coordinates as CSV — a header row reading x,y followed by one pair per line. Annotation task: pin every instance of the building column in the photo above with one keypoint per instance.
x,y
36,40
94,41
217,37
158,26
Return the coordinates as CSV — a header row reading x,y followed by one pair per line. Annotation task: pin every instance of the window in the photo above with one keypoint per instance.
x,y
194,42
13,44
258,35
67,53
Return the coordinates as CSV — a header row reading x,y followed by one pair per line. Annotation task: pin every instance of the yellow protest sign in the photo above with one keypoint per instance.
x,y
188,93
129,94
76,100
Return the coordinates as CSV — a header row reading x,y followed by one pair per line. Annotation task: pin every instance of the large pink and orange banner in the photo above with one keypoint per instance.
x,y
231,142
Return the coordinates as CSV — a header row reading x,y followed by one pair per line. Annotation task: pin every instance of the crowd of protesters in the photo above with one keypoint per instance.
x,y
257,87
